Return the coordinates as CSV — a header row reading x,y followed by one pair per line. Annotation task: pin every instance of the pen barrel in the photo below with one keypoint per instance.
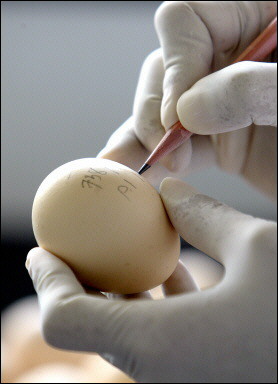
x,y
262,46
173,138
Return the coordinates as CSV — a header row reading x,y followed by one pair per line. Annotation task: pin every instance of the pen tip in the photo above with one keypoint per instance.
x,y
144,168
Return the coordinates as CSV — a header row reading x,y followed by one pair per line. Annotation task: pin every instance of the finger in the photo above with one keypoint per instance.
x,y
209,225
146,112
199,37
234,26
263,176
124,147
203,154
45,268
230,99
147,102
187,53
181,281
71,319
250,152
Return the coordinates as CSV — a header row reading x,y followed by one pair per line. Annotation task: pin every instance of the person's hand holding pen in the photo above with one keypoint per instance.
x,y
232,111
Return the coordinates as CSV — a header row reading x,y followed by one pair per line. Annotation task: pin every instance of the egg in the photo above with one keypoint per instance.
x,y
108,224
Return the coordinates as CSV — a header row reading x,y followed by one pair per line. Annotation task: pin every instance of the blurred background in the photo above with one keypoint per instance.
x,y
69,74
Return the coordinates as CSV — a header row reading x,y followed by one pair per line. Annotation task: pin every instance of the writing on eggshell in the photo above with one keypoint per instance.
x,y
108,224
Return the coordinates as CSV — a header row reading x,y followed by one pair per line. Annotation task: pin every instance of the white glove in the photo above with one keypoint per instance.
x,y
223,334
232,111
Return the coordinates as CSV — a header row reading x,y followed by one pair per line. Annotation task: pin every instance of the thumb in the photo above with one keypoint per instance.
x,y
72,319
230,99
212,227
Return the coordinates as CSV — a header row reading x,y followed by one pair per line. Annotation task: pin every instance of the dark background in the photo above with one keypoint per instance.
x,y
69,74
15,281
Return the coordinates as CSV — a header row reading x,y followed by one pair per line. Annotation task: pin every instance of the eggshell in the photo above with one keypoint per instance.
x,y
108,224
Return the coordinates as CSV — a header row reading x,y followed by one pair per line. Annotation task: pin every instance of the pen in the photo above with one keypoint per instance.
x,y
258,50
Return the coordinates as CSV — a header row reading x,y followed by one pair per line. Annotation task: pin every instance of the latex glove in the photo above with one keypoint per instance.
x,y
233,109
223,334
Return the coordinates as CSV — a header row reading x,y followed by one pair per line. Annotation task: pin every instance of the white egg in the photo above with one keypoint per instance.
x,y
108,224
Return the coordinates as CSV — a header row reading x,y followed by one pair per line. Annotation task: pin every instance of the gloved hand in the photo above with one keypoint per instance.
x,y
232,111
223,334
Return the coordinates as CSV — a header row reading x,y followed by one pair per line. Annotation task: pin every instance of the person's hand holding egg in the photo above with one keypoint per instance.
x,y
108,224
